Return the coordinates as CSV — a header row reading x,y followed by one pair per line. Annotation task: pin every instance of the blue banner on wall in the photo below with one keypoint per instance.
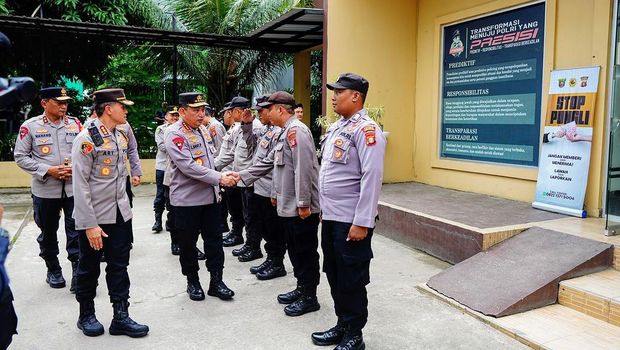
x,y
491,87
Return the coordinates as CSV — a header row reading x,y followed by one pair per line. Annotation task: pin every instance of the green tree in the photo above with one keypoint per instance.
x,y
142,83
227,72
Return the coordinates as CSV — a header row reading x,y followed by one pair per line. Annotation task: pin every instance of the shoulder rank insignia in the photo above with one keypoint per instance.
x,y
292,137
86,147
369,133
104,130
213,131
178,141
23,131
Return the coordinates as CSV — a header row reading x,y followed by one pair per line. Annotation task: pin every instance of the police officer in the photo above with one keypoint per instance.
x,y
232,194
267,223
171,117
350,180
159,203
103,215
194,194
43,149
241,156
296,194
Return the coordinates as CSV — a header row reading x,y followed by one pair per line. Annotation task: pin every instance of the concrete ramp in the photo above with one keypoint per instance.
x,y
521,273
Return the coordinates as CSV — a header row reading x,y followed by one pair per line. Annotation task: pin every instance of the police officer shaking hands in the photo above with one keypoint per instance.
x,y
194,193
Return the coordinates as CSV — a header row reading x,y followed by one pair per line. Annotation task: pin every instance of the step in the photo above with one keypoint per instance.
x,y
521,273
550,327
452,225
597,295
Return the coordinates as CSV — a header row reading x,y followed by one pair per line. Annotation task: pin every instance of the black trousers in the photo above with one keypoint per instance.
x,y
116,248
235,209
46,216
224,212
347,266
203,220
170,217
302,242
160,200
269,226
250,212
8,327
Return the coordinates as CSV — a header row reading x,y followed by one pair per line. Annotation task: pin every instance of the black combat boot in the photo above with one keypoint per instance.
x,y
303,305
240,251
122,324
54,274
275,270
251,254
289,297
74,270
258,268
233,240
200,255
87,321
217,287
331,336
157,225
351,341
194,289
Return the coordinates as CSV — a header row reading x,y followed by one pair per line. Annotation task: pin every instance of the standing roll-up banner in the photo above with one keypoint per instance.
x,y
567,141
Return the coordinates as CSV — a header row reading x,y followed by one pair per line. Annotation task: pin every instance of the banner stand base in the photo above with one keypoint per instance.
x,y
562,210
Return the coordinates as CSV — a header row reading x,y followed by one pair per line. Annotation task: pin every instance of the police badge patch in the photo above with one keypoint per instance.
x,y
292,138
23,131
178,141
86,147
369,133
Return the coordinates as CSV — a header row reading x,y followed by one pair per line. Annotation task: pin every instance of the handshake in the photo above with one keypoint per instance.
x,y
230,179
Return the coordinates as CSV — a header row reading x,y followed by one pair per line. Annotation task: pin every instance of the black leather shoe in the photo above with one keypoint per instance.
x,y
273,271
217,287
87,322
194,290
331,336
200,255
122,324
175,249
289,297
240,251
264,265
302,306
233,241
351,342
55,279
251,255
